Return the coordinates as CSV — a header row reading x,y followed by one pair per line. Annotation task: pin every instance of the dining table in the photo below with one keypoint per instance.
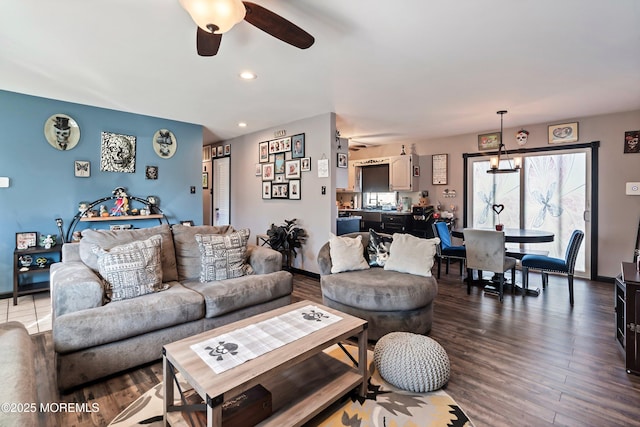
x,y
516,235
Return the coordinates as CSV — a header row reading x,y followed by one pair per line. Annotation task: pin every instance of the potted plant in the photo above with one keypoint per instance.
x,y
286,238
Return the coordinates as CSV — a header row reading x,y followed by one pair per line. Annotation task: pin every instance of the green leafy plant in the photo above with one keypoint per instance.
x,y
286,238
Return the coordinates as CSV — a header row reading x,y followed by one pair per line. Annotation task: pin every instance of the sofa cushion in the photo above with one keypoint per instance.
x,y
107,239
128,318
132,269
347,254
378,289
223,256
378,248
187,251
229,295
410,254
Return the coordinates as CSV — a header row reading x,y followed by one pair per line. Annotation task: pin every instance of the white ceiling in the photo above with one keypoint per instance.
x,y
393,71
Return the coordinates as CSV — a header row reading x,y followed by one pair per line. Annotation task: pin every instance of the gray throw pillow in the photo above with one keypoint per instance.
x,y
223,256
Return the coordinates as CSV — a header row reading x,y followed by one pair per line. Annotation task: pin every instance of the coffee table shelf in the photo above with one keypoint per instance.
x,y
301,378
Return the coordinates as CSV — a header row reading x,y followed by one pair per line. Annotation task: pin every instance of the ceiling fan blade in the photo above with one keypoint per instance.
x,y
277,26
207,43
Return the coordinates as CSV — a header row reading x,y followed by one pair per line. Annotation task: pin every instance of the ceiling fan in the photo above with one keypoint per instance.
x,y
215,17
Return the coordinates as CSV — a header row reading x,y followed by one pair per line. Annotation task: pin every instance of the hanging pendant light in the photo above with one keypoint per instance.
x,y
494,162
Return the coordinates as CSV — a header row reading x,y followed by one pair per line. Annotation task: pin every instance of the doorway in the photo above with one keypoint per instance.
x,y
216,195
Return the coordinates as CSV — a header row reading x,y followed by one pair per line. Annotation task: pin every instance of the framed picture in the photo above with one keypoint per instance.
x,y
279,145
631,141
258,169
151,172
416,171
565,132
323,168
220,151
439,170
279,178
263,152
279,162
342,160
297,146
305,164
266,189
117,153
227,150
164,143
489,141
82,168
294,189
267,172
280,191
205,180
26,240
292,169
214,152
61,132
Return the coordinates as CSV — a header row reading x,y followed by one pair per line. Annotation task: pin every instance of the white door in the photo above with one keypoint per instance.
x,y
221,191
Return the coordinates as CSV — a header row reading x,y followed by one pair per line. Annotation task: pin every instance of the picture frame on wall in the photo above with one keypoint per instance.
x,y
279,162
220,151
258,169
151,172
214,152
267,172
489,141
26,240
342,160
295,189
297,146
266,189
82,168
205,180
292,169
280,191
279,178
305,164
279,145
631,144
263,152
227,150
564,132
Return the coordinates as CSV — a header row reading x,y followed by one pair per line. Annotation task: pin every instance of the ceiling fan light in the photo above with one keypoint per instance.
x,y
224,14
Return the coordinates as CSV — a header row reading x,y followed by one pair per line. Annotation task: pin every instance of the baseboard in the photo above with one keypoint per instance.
x,y
305,273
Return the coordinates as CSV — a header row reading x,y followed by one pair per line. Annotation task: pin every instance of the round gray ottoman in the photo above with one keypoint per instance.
x,y
412,362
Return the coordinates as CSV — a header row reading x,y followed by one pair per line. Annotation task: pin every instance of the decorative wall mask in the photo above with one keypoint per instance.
x,y
117,153
61,132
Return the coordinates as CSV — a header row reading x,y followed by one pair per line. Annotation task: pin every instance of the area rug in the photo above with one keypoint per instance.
x,y
384,406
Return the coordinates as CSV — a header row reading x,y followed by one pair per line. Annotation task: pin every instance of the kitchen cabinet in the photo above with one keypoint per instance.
x,y
627,310
355,178
401,173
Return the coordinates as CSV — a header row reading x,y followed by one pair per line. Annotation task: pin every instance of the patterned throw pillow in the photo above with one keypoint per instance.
x,y
223,256
132,269
378,248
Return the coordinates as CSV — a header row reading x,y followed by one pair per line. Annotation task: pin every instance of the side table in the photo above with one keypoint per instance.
x,y
33,278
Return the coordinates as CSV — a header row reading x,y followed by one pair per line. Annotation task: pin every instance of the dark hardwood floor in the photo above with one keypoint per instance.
x,y
525,362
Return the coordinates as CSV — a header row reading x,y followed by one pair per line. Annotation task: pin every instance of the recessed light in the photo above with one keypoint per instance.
x,y
242,125
248,75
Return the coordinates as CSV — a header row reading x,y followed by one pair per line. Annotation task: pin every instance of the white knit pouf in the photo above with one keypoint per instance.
x,y
412,362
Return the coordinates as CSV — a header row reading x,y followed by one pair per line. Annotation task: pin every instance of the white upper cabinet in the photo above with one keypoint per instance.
x,y
355,178
401,173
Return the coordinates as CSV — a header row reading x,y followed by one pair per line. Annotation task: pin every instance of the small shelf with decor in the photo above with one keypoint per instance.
x,y
31,269
148,211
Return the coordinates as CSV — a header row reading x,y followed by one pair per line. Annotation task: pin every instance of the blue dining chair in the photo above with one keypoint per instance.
x,y
548,264
445,249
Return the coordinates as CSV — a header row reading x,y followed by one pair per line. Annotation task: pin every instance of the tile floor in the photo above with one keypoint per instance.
x,y
34,311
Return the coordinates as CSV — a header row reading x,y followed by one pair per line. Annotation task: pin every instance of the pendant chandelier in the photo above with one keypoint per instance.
x,y
502,151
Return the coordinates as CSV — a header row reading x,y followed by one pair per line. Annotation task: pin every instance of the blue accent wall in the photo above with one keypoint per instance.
x,y
42,181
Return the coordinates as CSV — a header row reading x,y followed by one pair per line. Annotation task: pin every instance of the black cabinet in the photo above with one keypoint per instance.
x,y
396,223
29,275
627,312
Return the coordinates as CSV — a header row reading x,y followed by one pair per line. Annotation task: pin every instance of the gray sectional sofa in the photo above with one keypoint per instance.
x,y
93,339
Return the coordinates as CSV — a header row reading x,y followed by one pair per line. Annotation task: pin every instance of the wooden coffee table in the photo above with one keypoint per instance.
x,y
301,378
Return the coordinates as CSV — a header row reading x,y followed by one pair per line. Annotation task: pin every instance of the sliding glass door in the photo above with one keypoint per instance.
x,y
551,193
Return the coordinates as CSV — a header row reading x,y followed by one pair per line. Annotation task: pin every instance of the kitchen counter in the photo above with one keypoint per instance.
x,y
380,211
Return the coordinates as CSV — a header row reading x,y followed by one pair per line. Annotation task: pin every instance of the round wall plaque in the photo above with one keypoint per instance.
x,y
61,132
164,143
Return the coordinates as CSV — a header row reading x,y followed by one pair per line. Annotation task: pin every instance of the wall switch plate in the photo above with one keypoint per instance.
x,y
192,190
4,181
633,189
323,190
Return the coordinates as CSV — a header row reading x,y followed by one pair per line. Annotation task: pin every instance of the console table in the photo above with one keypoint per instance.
x,y
627,308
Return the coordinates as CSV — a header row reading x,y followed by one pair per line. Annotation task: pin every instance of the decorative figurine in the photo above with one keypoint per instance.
x,y
47,241
103,211
77,235
42,262
82,207
122,202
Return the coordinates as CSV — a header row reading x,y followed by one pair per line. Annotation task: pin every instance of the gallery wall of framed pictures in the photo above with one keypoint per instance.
x,y
281,163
